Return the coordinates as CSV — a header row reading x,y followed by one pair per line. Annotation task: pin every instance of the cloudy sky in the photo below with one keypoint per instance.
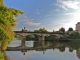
x,y
50,14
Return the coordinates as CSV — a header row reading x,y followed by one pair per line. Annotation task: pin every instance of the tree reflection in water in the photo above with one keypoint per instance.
x,y
73,45
44,45
3,56
3,46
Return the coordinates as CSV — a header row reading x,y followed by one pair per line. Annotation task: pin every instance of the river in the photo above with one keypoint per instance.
x,y
49,51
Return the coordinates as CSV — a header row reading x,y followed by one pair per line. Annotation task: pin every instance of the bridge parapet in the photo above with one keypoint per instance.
x,y
39,32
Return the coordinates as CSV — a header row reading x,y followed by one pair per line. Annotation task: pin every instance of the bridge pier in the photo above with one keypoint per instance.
x,y
41,38
23,41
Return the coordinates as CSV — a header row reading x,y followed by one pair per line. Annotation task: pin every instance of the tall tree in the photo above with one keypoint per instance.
x,y
36,31
7,22
43,30
70,29
62,29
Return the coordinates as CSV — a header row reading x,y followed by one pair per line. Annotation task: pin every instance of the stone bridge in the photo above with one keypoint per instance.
x,y
41,35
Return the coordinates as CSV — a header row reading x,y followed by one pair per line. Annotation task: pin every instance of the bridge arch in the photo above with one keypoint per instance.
x,y
40,35
32,37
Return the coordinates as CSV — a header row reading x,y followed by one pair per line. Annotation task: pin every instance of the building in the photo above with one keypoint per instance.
x,y
78,27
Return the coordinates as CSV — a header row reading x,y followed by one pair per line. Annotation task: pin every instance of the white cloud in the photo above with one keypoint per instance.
x,y
57,10
17,29
61,22
29,22
70,22
48,15
71,14
66,4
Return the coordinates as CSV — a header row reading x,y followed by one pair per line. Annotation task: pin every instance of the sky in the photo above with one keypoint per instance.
x,y
48,14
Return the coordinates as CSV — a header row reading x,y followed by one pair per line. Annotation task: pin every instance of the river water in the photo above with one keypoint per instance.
x,y
53,51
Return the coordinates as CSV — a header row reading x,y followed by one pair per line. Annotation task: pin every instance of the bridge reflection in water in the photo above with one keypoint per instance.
x,y
28,45
44,45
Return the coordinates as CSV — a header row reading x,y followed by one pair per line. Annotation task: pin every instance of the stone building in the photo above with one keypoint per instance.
x,y
78,27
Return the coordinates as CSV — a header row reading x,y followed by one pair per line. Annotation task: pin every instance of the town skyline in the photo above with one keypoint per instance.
x,y
50,14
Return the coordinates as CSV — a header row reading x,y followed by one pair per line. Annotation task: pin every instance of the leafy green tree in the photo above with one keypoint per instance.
x,y
70,29
50,37
43,30
36,31
31,37
74,35
3,56
7,22
62,29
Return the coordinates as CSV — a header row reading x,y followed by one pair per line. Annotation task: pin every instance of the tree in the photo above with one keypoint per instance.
x,y
36,31
70,29
62,29
75,35
50,37
7,22
43,30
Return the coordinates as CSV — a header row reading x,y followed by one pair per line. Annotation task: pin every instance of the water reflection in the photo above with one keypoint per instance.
x,y
78,53
15,43
37,48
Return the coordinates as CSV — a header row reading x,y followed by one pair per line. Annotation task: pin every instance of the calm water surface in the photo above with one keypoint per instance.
x,y
53,51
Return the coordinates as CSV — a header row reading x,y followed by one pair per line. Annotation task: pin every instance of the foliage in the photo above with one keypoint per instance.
x,y
7,22
1,56
62,29
41,30
74,35
50,37
36,31
36,37
70,29
65,36
17,36
32,37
